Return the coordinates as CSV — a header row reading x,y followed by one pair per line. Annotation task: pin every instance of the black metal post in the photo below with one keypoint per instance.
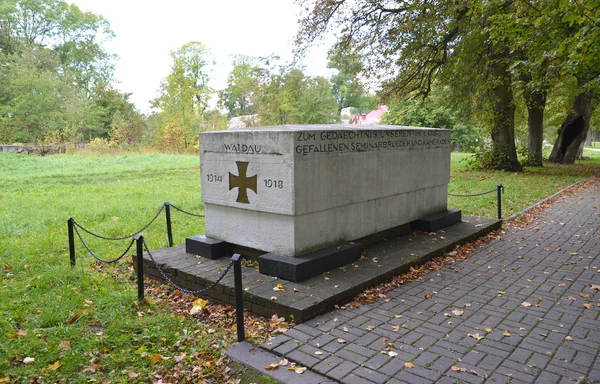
x,y
499,189
239,299
169,230
140,265
70,224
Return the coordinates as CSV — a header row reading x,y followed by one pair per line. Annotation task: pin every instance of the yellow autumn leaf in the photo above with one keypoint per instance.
x,y
506,334
588,306
279,288
198,306
272,367
55,366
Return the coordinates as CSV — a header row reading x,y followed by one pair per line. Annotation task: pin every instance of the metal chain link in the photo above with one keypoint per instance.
x,y
473,195
76,224
184,290
96,256
187,213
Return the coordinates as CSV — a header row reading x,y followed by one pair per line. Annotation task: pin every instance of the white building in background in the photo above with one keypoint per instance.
x,y
240,122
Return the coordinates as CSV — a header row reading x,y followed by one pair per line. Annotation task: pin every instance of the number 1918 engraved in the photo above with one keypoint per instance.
x,y
270,183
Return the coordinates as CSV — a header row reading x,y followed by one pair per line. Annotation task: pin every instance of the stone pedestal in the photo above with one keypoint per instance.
x,y
292,190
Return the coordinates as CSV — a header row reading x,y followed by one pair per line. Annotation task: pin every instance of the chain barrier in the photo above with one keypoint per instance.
x,y
499,191
187,213
96,256
184,290
473,194
120,237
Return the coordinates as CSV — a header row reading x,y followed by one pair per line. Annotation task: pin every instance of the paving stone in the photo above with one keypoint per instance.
x,y
523,263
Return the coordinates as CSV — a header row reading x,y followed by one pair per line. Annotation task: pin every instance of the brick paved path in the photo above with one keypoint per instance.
x,y
551,264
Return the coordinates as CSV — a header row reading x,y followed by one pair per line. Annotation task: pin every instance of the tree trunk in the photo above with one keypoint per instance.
x,y
574,129
536,104
503,130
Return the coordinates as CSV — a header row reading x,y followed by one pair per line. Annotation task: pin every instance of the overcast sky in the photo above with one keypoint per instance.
x,y
146,31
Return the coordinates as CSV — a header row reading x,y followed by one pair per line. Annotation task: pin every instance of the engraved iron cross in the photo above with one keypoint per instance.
x,y
242,182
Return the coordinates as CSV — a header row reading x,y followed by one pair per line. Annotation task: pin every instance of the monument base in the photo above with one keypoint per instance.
x,y
300,268
207,247
437,221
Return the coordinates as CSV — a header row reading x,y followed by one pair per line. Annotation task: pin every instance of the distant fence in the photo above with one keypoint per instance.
x,y
40,149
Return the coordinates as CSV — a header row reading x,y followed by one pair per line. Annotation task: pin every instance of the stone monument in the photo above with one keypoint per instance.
x,y
294,191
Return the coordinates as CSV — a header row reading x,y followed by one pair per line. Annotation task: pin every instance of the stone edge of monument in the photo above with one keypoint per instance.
x,y
207,247
300,268
437,221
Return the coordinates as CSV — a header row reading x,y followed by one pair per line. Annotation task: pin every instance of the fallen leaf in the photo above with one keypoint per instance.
x,y
345,329
295,290
572,298
273,298
318,353
132,375
428,295
21,332
300,370
409,365
506,334
279,288
65,345
283,362
595,287
272,367
526,304
458,369
398,316
158,357
468,305
584,295
475,336
458,312
488,330
569,338
198,306
246,288
341,341
55,366
500,293
589,306
392,354
405,326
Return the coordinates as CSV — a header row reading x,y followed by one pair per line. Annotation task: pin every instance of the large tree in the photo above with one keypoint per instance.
x,y
408,44
577,54
290,97
183,96
51,61
242,85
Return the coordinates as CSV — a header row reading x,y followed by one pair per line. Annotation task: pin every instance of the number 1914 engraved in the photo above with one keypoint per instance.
x,y
270,183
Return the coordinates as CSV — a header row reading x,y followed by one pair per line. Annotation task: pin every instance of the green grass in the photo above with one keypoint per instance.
x,y
45,302
521,190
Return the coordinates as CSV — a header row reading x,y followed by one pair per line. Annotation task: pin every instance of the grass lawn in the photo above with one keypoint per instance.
x,y
84,323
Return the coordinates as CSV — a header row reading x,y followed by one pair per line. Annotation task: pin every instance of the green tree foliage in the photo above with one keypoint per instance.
x,y
483,49
290,97
54,74
183,97
239,98
345,84
433,113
